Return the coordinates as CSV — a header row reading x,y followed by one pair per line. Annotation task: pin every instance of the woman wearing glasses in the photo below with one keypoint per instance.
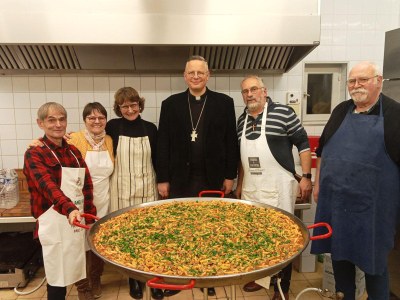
x,y
134,179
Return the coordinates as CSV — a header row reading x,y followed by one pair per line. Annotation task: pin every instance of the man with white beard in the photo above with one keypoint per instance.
x,y
267,132
357,184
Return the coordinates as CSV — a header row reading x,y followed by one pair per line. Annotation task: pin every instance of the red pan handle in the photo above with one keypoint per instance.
x,y
323,236
158,283
221,193
89,216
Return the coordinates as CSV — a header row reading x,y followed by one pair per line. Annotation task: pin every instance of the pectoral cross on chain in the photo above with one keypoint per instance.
x,y
193,135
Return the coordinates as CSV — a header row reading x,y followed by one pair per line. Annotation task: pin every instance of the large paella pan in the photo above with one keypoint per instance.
x,y
195,280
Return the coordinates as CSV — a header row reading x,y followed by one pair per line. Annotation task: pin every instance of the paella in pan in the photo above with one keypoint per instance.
x,y
199,238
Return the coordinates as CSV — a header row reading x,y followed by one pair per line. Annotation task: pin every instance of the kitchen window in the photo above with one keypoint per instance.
x,y
325,87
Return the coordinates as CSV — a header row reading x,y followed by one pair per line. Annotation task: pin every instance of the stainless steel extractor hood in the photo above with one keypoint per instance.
x,y
155,36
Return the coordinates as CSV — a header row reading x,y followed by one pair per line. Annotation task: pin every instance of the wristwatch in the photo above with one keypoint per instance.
x,y
307,175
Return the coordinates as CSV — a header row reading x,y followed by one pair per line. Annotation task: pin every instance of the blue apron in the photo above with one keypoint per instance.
x,y
359,194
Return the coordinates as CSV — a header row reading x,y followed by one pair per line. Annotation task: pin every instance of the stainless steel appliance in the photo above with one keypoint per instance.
x,y
391,64
391,88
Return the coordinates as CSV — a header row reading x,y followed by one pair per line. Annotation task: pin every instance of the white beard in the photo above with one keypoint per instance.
x,y
359,95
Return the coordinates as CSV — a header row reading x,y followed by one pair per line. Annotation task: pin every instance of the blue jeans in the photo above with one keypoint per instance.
x,y
344,272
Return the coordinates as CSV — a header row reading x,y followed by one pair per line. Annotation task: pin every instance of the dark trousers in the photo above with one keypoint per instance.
x,y
56,292
345,276
196,184
285,275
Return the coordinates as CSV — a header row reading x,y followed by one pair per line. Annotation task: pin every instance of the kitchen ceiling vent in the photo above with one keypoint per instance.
x,y
153,36
38,57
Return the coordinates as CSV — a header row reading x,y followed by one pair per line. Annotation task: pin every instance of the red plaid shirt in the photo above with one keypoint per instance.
x,y
43,174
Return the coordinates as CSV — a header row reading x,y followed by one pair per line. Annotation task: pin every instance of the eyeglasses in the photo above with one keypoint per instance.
x,y
253,90
131,106
362,80
93,119
199,74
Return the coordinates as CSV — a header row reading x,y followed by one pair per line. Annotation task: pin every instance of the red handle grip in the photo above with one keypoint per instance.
x,y
323,236
89,216
221,193
158,283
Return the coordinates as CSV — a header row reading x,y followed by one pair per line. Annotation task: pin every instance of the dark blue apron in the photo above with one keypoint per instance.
x,y
359,194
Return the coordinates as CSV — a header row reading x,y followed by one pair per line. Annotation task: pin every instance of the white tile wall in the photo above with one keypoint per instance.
x,y
351,31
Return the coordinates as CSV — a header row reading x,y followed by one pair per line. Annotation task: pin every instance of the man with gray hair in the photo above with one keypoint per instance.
x,y
357,184
60,190
267,132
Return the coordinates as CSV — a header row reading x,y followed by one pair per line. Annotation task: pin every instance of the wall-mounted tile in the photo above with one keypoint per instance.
x,y
338,53
5,84
36,84
37,132
177,84
23,116
133,82
73,127
163,84
54,97
6,100
149,114
10,161
211,84
37,99
69,84
235,83
7,116
237,98
73,115
53,84
20,84
24,131
340,22
70,100
85,84
7,132
22,145
101,84
20,162
354,38
103,98
324,53
161,96
8,147
354,53
85,97
354,21
295,83
150,97
116,82
21,100
280,82
222,84
147,84
238,111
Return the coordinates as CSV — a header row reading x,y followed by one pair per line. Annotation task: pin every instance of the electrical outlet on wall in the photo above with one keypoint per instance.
x,y
293,98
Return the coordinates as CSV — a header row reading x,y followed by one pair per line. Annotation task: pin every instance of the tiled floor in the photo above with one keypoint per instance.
x,y
115,286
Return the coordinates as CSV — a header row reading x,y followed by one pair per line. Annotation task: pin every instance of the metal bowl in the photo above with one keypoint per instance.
x,y
206,281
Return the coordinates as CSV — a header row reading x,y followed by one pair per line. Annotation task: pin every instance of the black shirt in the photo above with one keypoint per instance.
x,y
135,128
391,115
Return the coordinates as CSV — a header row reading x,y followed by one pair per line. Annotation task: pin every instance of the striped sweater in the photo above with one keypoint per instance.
x,y
283,130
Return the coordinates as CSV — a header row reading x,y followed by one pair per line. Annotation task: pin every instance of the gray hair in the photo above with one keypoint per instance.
x,y
197,57
260,81
43,111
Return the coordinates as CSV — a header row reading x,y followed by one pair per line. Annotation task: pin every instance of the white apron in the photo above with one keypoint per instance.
x,y
133,181
63,245
265,180
100,168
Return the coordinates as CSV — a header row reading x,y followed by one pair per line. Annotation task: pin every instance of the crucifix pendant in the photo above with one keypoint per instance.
x,y
193,135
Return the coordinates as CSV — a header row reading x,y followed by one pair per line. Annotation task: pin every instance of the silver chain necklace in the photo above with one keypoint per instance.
x,y
193,135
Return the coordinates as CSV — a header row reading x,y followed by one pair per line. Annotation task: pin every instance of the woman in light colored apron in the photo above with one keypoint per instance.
x,y
134,180
96,148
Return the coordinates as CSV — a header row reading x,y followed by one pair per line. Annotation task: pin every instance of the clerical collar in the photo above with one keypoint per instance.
x,y
198,99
